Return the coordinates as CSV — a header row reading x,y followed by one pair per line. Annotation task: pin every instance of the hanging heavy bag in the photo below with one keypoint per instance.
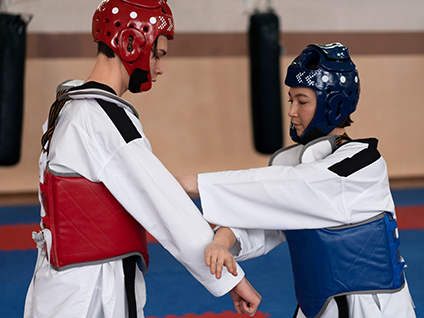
x,y
12,65
264,50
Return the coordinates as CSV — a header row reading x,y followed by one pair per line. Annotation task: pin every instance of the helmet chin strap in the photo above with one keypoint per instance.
x,y
137,78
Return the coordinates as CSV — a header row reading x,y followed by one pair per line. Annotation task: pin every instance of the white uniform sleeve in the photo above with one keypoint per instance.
x,y
254,243
92,146
305,196
155,199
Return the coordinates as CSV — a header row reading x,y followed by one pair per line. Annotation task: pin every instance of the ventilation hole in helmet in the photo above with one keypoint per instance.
x,y
313,63
328,90
146,29
108,34
130,41
106,20
338,108
350,93
97,32
117,24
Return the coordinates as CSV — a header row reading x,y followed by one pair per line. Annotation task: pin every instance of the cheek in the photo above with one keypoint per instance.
x,y
308,115
311,114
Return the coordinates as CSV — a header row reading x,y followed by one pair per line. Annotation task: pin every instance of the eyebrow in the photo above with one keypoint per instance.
x,y
300,95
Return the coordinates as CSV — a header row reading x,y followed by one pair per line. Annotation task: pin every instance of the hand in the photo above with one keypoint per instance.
x,y
217,253
246,298
217,256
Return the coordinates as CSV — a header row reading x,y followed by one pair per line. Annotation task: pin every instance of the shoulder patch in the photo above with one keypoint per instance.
x,y
121,120
360,160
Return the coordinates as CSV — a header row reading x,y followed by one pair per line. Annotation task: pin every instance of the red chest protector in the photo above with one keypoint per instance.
x,y
88,225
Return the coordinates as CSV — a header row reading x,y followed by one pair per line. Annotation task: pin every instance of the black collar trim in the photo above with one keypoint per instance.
x,y
91,85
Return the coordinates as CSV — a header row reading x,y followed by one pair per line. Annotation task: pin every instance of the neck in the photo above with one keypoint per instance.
x,y
110,72
338,131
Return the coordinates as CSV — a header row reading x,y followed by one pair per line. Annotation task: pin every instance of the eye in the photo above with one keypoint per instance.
x,y
158,55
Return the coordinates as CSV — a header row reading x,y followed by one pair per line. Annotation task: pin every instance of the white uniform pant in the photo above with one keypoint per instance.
x,y
394,305
95,291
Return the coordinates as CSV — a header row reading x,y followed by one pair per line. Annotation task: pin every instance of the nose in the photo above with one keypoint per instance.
x,y
292,111
159,67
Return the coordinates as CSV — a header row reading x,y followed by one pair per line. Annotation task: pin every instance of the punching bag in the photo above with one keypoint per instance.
x,y
12,65
264,51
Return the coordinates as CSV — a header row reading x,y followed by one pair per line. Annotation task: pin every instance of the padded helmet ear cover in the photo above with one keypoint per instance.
x,y
132,42
338,108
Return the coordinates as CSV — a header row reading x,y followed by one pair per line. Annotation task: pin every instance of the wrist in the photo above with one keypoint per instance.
x,y
225,237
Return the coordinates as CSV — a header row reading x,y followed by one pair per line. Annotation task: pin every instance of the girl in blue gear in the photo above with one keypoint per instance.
x,y
328,196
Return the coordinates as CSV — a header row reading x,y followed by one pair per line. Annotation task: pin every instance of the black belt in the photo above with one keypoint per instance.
x,y
129,264
342,305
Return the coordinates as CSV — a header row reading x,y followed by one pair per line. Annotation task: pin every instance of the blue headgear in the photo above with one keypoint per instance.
x,y
330,72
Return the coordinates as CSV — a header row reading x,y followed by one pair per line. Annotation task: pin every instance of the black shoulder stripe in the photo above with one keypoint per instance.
x,y
362,159
120,119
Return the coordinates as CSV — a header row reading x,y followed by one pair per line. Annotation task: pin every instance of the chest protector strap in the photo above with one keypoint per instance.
x,y
358,258
88,225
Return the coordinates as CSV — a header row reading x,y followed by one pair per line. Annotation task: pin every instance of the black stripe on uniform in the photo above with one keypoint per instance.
x,y
120,119
362,159
129,264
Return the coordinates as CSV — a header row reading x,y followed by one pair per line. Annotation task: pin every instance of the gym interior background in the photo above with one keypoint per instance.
x,y
198,115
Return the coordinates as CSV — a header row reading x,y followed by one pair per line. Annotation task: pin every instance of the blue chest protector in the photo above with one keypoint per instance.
x,y
355,258
361,258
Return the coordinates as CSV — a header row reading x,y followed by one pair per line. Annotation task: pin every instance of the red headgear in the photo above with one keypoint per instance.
x,y
129,28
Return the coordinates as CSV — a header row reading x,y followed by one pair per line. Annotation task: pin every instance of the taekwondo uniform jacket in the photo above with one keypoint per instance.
x,y
311,189
87,142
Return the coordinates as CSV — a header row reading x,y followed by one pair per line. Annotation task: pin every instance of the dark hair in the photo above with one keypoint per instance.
x,y
104,49
155,46
346,122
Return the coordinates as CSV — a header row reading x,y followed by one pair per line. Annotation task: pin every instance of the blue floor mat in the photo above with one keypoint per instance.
x,y
171,290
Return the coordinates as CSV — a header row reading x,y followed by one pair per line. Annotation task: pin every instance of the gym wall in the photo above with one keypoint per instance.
x,y
197,116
